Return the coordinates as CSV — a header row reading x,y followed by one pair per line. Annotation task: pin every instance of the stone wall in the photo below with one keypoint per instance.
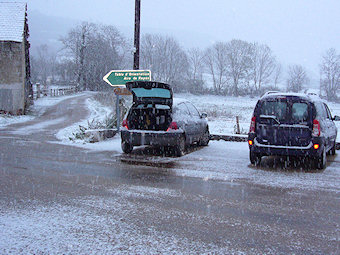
x,y
12,77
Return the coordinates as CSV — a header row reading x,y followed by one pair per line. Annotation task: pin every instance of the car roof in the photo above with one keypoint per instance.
x,y
312,97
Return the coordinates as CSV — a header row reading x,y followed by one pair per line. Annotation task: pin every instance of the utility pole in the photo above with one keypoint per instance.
x,y
137,35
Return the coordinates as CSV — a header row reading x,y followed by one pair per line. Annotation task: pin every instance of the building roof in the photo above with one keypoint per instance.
x,y
12,21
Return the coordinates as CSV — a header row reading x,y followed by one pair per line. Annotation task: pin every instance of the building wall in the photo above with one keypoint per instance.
x,y
12,77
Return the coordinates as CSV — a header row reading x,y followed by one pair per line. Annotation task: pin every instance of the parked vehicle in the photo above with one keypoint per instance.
x,y
292,124
155,118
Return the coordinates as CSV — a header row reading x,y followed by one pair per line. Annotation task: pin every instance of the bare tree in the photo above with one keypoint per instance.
x,y
95,50
196,65
263,65
195,81
165,58
239,62
216,61
297,78
277,74
43,64
330,73
76,43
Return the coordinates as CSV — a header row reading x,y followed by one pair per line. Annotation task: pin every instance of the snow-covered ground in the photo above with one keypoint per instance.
x,y
97,224
206,163
222,111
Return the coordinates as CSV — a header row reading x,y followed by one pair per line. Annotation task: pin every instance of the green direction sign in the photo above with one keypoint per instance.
x,y
120,77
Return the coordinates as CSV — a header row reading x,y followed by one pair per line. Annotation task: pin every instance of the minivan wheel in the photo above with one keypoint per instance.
x,y
333,150
321,161
180,147
205,138
255,158
126,147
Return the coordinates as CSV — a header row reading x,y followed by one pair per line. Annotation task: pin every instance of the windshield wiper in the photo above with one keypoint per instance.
x,y
272,117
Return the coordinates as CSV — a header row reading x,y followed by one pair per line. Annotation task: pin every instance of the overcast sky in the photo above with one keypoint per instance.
x,y
298,31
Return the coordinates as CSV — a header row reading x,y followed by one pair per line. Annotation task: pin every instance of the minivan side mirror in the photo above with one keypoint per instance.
x,y
204,115
336,118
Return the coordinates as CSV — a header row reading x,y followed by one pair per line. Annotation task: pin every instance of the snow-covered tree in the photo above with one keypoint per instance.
x,y
195,82
43,64
165,58
297,78
263,65
330,74
239,63
215,59
95,50
277,75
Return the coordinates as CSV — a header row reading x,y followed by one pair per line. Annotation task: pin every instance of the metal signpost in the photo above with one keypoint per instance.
x,y
118,78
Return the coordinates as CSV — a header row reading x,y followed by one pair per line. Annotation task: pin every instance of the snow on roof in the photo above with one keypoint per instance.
x,y
310,96
12,21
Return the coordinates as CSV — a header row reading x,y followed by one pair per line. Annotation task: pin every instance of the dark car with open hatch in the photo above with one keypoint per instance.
x,y
156,118
292,124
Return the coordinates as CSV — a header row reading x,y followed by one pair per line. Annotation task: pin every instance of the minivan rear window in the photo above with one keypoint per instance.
x,y
153,92
299,112
274,108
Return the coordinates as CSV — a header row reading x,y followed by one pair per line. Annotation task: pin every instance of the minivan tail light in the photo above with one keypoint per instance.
x,y
252,125
173,126
316,128
125,124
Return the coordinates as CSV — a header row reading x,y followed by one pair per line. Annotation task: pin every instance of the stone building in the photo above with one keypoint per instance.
x,y
15,85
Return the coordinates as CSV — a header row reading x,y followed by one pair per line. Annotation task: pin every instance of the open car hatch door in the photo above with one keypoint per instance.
x,y
146,92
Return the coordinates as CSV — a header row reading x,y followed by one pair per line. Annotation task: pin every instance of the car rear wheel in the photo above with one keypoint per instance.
x,y
126,147
205,138
255,158
333,148
180,147
321,160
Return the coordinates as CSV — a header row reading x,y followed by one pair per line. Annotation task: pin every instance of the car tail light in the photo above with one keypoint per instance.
x,y
252,125
125,124
316,128
173,126
316,146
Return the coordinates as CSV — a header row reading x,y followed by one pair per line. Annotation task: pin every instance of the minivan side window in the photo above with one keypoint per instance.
x,y
329,116
320,110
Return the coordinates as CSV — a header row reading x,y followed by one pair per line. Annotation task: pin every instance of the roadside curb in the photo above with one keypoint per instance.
x,y
96,135
231,138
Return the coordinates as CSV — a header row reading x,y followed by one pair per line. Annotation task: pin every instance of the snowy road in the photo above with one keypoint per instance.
x,y
56,198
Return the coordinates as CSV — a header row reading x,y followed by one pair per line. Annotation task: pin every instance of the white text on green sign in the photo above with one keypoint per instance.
x,y
120,77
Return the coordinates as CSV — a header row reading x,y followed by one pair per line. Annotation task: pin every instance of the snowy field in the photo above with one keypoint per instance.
x,y
222,111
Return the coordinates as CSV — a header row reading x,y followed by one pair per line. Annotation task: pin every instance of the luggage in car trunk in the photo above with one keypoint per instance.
x,y
152,105
150,117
